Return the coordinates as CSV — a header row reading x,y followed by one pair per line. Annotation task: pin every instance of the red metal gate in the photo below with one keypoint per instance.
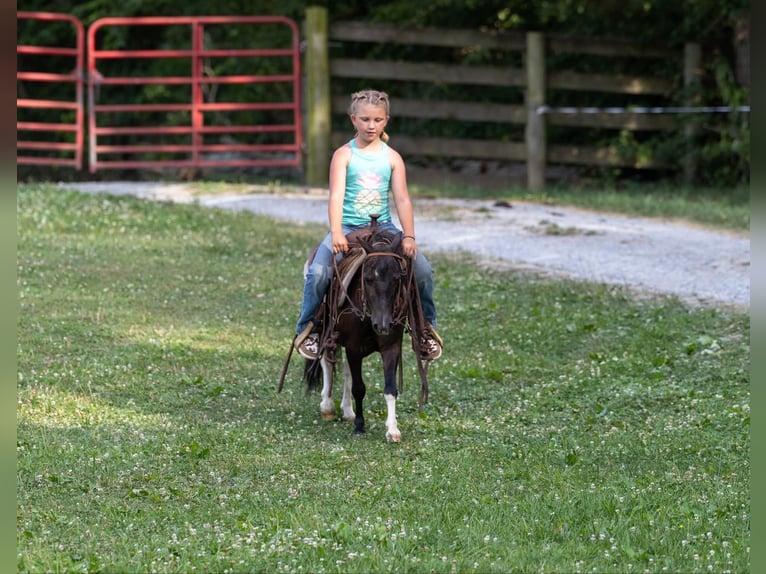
x,y
212,104
49,104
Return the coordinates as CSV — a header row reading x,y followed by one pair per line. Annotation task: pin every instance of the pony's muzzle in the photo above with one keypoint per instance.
x,y
381,328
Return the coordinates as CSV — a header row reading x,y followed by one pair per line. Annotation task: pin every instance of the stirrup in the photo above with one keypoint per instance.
x,y
307,343
431,345
309,347
430,350
432,332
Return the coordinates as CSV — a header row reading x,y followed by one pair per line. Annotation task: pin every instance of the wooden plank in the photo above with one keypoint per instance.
x,y
504,151
449,147
618,84
510,151
625,121
426,72
447,110
610,47
604,156
462,148
392,34
495,76
491,39
445,177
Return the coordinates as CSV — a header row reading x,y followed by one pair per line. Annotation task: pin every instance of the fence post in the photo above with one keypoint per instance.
x,y
692,72
535,129
317,96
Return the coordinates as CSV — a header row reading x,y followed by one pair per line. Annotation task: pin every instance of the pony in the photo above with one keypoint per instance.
x,y
372,300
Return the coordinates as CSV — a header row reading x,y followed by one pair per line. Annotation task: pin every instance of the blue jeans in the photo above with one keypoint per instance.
x,y
320,271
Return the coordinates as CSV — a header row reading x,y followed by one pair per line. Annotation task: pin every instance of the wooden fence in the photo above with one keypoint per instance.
x,y
526,141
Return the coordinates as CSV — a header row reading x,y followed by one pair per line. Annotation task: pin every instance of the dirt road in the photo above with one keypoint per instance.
x,y
700,266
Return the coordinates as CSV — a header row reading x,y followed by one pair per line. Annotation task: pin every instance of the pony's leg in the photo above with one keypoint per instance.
x,y
327,406
345,404
392,428
358,390
390,392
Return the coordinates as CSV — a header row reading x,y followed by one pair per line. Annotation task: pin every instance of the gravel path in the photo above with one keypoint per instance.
x,y
699,265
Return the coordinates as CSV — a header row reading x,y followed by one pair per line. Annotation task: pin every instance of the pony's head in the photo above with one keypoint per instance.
x,y
382,274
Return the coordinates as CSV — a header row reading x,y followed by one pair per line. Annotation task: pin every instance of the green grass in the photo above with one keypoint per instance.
x,y
717,208
570,428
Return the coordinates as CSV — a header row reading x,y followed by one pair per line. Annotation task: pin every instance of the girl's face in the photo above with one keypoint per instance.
x,y
370,121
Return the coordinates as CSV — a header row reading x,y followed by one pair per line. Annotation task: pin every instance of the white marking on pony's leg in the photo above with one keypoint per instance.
x,y
327,406
392,429
347,404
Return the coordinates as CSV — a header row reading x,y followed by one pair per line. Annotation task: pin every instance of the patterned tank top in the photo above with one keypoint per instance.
x,y
368,181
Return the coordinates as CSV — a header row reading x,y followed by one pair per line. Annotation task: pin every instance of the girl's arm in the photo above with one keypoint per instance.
x,y
338,167
403,204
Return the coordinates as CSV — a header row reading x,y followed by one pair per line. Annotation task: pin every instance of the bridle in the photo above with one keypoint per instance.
x,y
399,312
401,307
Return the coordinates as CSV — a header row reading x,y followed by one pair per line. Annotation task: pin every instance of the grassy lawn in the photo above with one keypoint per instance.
x,y
570,428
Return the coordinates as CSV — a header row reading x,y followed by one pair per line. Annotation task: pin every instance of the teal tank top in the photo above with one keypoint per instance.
x,y
368,181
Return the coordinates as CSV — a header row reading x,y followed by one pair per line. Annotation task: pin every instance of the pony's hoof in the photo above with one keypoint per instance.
x,y
328,416
395,436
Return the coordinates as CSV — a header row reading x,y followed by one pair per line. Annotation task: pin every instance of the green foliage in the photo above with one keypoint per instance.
x,y
723,141
570,427
725,148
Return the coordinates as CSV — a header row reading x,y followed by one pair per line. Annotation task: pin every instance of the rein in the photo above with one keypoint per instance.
x,y
400,310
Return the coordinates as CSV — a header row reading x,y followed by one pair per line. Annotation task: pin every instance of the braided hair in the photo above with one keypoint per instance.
x,y
372,97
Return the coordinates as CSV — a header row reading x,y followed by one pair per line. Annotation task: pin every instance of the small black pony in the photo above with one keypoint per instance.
x,y
371,301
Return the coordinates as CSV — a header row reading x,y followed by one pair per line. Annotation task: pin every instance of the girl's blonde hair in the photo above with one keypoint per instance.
x,y
372,97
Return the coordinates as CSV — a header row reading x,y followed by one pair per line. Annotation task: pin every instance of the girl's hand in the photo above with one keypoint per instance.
x,y
339,243
409,248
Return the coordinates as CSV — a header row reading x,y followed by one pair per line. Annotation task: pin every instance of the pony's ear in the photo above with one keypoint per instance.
x,y
396,243
363,237
365,242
